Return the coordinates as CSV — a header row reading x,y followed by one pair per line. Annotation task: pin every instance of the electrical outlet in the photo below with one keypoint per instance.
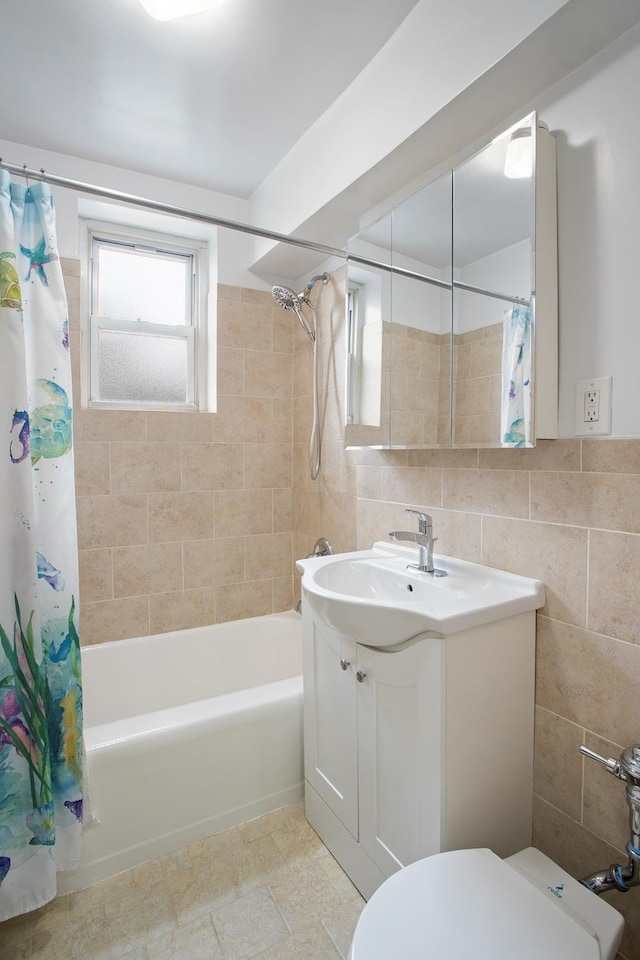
x,y
593,407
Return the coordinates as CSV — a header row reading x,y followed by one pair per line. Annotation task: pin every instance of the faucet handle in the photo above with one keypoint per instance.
x,y
424,520
612,765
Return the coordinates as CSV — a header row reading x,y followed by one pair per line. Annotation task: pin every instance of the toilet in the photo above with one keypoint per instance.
x,y
471,905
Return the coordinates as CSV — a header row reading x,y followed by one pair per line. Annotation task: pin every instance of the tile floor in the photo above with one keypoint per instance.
x,y
267,889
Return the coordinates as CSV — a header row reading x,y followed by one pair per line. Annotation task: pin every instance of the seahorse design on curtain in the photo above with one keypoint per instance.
x,y
515,426
40,671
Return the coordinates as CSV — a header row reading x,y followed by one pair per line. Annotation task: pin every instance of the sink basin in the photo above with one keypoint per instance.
x,y
372,597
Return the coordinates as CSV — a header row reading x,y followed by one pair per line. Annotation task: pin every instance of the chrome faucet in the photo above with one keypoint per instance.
x,y
621,876
425,540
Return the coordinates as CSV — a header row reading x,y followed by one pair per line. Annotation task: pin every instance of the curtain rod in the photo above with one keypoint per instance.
x,y
444,284
174,211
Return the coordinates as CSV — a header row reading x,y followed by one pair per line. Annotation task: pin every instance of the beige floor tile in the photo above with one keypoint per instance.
x,y
338,879
147,912
137,953
341,923
213,846
267,823
250,925
201,889
193,941
94,897
311,943
152,875
231,896
254,864
60,935
15,939
304,894
297,841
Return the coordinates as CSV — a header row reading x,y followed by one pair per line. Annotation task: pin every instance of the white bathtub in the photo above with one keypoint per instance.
x,y
188,733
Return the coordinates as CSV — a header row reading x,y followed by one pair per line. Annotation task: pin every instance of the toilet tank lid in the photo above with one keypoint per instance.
x,y
597,916
468,904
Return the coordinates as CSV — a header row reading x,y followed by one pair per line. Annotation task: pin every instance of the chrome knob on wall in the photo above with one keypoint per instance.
x,y
345,664
612,765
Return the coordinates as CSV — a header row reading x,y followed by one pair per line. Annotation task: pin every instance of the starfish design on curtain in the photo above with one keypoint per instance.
x,y
37,259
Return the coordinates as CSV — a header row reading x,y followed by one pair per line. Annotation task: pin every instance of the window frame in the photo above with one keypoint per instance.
x,y
199,334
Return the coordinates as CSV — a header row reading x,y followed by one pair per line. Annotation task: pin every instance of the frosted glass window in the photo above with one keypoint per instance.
x,y
149,342
142,284
142,368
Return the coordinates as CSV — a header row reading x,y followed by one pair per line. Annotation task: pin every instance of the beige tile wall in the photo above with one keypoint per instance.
x,y
324,507
415,395
478,385
414,400
186,519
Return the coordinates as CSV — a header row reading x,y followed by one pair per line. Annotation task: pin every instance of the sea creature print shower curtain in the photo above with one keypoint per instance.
x,y
40,677
516,420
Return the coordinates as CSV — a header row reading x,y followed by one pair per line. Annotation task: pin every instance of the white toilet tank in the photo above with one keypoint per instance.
x,y
471,905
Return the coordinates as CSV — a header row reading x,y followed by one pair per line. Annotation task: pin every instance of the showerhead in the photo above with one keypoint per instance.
x,y
285,297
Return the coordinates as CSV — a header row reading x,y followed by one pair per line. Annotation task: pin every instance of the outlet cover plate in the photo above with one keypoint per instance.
x,y
601,426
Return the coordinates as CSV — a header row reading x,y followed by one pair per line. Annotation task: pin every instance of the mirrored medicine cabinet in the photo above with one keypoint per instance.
x,y
452,306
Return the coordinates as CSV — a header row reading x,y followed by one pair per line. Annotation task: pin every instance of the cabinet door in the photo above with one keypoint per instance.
x,y
330,720
400,752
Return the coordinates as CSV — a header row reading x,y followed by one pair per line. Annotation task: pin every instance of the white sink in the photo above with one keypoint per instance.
x,y
372,597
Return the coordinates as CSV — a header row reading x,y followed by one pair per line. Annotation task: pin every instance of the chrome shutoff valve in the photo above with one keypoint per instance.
x,y
621,876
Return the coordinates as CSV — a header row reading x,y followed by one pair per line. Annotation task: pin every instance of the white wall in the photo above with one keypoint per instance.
x,y
593,115
506,271
232,246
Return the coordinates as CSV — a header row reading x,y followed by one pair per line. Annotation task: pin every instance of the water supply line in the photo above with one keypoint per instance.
x,y
626,875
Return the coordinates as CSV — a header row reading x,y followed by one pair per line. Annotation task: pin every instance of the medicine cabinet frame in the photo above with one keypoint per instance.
x,y
382,371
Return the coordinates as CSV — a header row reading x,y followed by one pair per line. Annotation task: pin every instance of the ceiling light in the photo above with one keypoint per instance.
x,y
518,159
171,9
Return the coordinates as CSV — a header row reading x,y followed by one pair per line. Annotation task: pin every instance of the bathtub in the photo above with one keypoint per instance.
x,y
187,733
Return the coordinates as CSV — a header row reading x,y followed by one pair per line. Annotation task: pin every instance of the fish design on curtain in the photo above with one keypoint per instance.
x,y
515,411
40,673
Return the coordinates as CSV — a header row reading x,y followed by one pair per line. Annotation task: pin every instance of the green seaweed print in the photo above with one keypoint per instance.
x,y
24,724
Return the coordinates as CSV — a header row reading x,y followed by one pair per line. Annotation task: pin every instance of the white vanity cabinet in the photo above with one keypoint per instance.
x,y
421,748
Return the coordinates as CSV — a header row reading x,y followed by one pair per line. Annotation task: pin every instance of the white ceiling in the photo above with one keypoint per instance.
x,y
216,99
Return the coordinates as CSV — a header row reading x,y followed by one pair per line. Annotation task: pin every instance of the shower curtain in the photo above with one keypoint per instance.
x,y
40,680
515,426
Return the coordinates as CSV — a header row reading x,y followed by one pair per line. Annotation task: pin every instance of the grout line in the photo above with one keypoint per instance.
x,y
586,596
582,758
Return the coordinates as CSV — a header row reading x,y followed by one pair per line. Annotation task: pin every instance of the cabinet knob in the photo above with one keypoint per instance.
x,y
345,664
360,675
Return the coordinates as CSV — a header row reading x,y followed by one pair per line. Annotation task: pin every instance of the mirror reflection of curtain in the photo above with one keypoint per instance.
x,y
40,686
515,426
